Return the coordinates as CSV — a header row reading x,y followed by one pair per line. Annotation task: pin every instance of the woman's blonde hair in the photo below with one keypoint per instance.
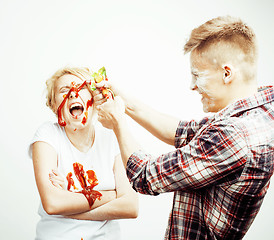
x,y
81,72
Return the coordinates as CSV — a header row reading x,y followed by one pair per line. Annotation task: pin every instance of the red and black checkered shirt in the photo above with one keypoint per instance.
x,y
219,172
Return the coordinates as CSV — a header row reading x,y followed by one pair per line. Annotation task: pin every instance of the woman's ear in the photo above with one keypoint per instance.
x,y
227,74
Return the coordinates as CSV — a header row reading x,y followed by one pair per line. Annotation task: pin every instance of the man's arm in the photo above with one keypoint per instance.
x,y
215,155
112,115
159,124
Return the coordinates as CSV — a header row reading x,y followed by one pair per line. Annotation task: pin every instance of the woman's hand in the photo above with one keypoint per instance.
x,y
57,180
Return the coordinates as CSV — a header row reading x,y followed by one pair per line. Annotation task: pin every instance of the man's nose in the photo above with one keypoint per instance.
x,y
193,85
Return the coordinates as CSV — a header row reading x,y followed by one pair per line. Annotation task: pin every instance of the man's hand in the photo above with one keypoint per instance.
x,y
112,112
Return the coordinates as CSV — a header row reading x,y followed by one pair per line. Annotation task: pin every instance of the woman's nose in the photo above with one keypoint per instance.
x,y
72,94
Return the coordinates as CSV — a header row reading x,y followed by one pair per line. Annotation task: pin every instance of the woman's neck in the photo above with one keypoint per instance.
x,y
82,139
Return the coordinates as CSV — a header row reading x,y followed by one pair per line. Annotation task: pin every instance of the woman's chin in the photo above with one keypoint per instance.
x,y
78,122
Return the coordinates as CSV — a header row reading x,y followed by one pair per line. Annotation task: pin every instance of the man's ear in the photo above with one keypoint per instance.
x,y
227,74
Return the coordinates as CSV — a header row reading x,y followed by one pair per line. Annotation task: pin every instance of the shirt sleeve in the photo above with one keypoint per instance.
x,y
187,130
45,133
217,155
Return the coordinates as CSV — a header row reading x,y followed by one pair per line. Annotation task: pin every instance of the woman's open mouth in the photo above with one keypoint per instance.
x,y
76,109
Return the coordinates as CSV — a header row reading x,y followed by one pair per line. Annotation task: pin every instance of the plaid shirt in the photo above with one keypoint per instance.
x,y
219,172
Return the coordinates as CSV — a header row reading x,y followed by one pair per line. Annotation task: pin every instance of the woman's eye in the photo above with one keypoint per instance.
x,y
84,88
64,90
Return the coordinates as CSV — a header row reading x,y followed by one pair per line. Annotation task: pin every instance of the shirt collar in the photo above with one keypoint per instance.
x,y
263,96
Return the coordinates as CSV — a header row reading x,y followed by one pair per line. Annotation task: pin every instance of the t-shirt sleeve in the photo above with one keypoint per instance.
x,y
45,133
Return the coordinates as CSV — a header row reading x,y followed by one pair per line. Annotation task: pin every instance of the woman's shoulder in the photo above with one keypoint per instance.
x,y
48,131
49,127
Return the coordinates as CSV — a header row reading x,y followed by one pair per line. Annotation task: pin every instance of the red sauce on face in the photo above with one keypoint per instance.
x,y
59,113
89,103
90,194
84,120
66,96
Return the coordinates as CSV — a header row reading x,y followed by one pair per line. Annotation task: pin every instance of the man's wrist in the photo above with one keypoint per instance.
x,y
119,123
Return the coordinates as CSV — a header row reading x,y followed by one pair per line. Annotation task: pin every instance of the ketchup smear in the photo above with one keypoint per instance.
x,y
76,90
90,194
70,181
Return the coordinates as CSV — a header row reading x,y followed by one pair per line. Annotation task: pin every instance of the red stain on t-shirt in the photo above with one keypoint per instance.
x,y
87,181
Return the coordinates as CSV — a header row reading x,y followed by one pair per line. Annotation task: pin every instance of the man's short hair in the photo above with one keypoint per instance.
x,y
225,29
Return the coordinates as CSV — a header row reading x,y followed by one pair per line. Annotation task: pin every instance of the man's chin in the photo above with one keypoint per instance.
x,y
205,108
209,109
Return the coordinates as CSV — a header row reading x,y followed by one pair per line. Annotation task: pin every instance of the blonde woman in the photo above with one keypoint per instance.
x,y
78,170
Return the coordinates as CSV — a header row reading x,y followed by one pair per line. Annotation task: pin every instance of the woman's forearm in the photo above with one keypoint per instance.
x,y
124,206
121,208
67,203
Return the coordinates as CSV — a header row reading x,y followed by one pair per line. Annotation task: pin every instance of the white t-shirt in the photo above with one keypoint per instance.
x,y
100,159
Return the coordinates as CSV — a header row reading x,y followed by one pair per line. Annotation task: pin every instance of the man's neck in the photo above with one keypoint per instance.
x,y
242,91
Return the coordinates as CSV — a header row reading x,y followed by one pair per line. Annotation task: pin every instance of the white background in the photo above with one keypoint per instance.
x,y
141,45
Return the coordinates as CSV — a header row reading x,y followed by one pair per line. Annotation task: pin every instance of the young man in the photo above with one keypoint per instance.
x,y
221,167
